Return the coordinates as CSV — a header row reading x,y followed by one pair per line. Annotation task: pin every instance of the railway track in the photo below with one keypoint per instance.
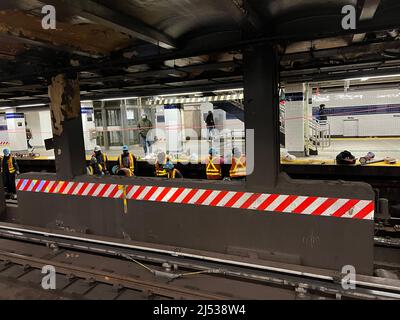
x,y
98,269
89,283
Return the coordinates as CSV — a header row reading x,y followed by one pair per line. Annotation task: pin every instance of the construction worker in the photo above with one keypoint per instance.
x,y
238,167
101,158
172,173
213,165
95,168
160,171
145,126
9,169
127,161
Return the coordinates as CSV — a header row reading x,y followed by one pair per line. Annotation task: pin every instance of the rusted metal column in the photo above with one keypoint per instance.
x,y
65,107
261,101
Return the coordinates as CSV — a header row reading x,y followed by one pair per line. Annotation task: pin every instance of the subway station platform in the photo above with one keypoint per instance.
x,y
359,147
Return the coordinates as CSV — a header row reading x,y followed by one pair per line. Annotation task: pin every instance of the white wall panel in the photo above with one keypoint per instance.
x,y
369,124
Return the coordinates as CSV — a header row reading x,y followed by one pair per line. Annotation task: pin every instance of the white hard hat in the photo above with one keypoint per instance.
x,y
97,148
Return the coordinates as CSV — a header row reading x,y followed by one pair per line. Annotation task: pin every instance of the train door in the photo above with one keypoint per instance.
x,y
350,128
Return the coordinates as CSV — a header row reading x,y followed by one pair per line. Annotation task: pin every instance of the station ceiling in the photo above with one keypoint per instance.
x,y
146,47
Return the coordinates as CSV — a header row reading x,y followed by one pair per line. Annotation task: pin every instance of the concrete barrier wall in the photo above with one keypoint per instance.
x,y
317,241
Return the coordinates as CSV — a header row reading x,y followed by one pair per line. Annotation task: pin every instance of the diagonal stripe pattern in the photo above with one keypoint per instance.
x,y
261,202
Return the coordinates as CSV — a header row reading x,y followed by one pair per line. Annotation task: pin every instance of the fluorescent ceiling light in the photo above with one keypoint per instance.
x,y
375,77
179,94
31,105
122,98
227,90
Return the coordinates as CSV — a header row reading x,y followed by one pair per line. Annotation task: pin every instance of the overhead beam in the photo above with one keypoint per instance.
x,y
47,45
117,21
330,74
390,23
369,8
341,51
249,15
175,86
238,83
165,72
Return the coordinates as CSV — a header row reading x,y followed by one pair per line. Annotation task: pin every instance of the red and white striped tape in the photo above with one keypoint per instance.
x,y
316,206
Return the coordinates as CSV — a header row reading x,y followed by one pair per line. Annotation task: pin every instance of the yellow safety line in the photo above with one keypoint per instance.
x,y
365,139
332,162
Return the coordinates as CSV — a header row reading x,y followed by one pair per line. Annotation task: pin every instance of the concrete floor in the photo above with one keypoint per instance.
x,y
382,148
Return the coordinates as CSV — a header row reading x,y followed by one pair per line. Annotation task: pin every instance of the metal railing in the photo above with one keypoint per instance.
x,y
320,133
282,118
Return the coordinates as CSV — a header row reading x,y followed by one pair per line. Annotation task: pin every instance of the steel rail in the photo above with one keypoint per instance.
x,y
284,271
108,277
316,288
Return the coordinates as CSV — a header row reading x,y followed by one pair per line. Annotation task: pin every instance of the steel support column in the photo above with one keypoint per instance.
x,y
104,124
124,122
65,107
261,100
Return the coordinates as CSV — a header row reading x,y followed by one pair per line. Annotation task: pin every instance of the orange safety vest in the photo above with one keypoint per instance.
x,y
238,167
172,174
213,170
10,164
91,171
105,160
160,171
131,163
104,157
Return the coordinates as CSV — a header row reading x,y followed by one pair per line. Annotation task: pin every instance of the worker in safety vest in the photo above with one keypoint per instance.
x,y
213,165
238,167
160,171
127,161
172,173
9,169
95,168
101,158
